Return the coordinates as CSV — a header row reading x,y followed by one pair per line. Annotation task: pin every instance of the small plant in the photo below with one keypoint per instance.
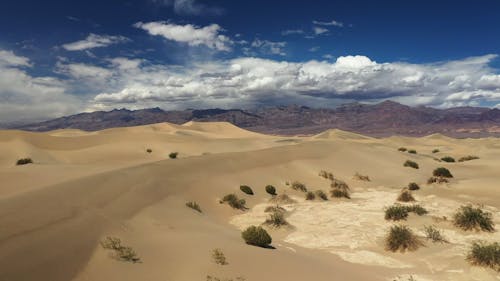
x,y
276,219
321,194
336,183
234,201
122,252
193,205
405,196
296,185
149,150
402,149
433,234
219,257
173,155
417,209
442,172
411,164
396,212
271,189
412,151
128,254
24,161
256,236
358,176
470,218
273,209
486,255
413,186
340,193
246,189
111,243
401,238
310,195
432,180
326,175
448,159
282,199
435,150
467,158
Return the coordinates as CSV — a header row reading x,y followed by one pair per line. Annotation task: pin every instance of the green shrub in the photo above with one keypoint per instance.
x,y
360,177
276,219
340,193
173,155
396,212
411,164
310,195
437,180
467,158
435,150
219,257
413,186
417,209
321,194
296,185
405,196
149,150
193,205
470,218
24,161
448,159
442,172
234,201
271,189
401,238
402,149
412,151
486,255
434,234
246,189
256,236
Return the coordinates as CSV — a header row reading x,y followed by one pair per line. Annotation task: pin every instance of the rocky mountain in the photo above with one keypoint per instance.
x,y
382,119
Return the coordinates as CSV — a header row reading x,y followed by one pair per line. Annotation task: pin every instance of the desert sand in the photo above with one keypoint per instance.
x,y
85,186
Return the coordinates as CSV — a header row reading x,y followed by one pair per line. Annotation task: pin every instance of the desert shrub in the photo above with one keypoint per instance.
x,y
442,172
122,252
111,243
193,205
213,278
448,159
412,151
149,150
326,175
402,149
234,201
470,218
321,194
396,212
413,186
273,209
417,209
437,180
310,195
340,193
433,234
246,189
296,185
219,257
405,196
401,238
435,150
173,155
486,255
342,185
24,161
271,189
276,219
256,236
411,164
128,254
282,199
467,158
358,176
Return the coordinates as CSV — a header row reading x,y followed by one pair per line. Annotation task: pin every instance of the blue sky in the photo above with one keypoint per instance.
x,y
64,57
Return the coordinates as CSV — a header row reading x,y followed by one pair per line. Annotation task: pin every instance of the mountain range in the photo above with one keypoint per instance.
x,y
383,119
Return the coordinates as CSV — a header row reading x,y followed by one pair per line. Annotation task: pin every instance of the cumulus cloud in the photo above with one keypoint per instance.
x,y
94,41
319,30
329,23
265,47
190,7
192,35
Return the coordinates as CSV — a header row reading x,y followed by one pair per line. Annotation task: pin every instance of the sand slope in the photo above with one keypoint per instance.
x,y
86,186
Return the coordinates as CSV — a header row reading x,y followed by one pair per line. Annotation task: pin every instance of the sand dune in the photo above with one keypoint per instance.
x,y
84,186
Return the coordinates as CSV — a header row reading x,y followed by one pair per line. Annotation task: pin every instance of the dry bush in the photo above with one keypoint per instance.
x,y
413,186
442,172
271,189
435,150
432,180
24,161
173,155
411,164
219,257
360,177
256,236
340,193
276,219
470,218
340,184
326,175
123,253
193,205
405,196
149,150
433,234
412,151
282,199
402,149
486,255
296,185
448,159
246,189
310,195
273,209
401,238
467,158
400,212
320,194
234,201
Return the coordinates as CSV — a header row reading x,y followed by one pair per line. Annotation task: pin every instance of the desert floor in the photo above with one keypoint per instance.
x,y
85,186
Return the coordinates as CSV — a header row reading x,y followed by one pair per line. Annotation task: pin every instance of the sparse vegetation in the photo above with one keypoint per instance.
x,y
272,209
149,150
402,149
282,199
193,205
123,253
417,209
213,278
246,189
340,184
358,176
271,189
413,186
340,193
173,155
219,257
401,238
435,150
412,151
405,196
256,236
470,218
310,195
442,172
448,159
398,212
437,180
296,185
320,194
433,234
276,219
24,161
467,158
486,255
326,175
234,201
411,164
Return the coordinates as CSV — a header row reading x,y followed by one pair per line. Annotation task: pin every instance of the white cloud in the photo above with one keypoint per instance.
x,y
314,49
329,23
94,41
319,30
8,58
192,35
292,32
190,7
267,47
